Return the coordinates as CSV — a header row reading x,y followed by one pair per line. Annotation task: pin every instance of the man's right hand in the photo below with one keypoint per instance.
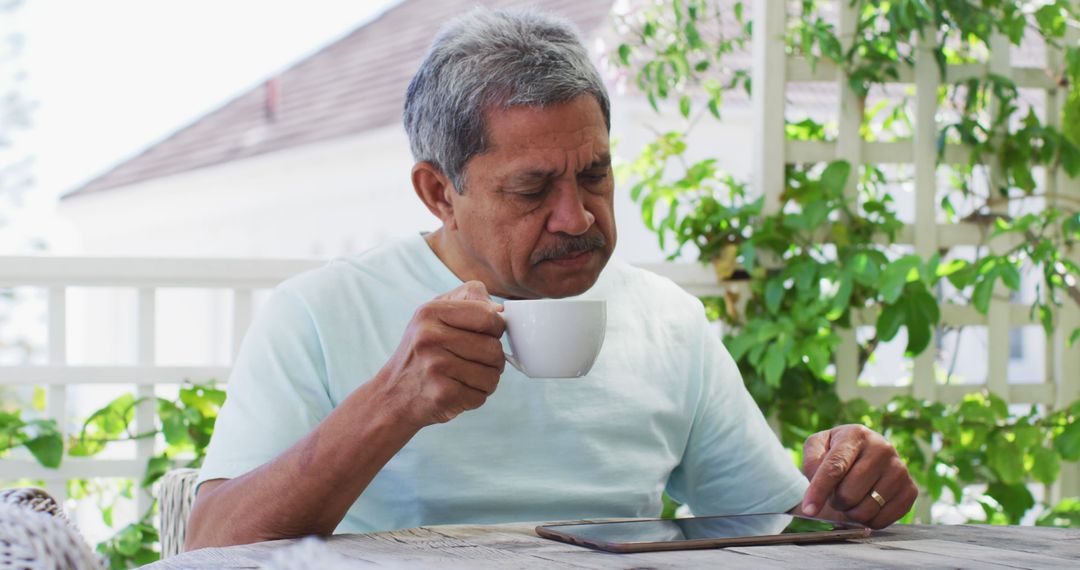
x,y
450,357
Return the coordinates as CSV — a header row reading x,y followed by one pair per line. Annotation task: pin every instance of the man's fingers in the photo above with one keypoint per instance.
x,y
479,377
476,316
814,451
896,506
861,478
896,488
476,347
832,469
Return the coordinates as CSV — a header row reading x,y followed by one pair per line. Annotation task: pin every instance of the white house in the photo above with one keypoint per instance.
x,y
314,162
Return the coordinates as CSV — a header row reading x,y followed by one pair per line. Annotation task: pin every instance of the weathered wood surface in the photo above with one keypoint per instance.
x,y
517,546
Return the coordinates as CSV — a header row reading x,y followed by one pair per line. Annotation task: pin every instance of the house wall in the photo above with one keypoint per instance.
x,y
321,200
331,198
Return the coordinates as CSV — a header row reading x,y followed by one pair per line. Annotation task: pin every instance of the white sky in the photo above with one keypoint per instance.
x,y
112,76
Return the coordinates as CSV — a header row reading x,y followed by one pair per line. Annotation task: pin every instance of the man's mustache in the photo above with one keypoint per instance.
x,y
569,245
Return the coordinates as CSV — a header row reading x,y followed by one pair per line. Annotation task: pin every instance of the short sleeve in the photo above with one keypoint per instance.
x,y
276,393
733,462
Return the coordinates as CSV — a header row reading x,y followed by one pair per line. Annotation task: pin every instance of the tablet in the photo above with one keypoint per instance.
x,y
643,535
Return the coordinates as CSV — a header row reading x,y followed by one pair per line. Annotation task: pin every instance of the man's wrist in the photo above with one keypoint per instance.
x,y
385,410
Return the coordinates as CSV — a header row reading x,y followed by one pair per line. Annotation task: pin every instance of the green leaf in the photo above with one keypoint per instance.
x,y
1006,459
1010,276
843,296
984,289
737,345
835,176
1015,499
749,256
888,324
896,274
684,106
47,448
129,540
774,294
918,324
1075,335
775,360
1067,443
1064,514
864,269
155,468
952,266
1046,465
804,274
624,54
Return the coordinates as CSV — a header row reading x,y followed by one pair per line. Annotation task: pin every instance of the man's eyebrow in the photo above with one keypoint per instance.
x,y
603,162
531,176
539,175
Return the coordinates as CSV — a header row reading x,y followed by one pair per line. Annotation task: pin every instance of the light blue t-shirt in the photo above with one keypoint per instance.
x,y
664,406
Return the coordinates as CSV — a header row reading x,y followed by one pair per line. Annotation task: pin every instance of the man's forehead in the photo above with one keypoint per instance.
x,y
523,171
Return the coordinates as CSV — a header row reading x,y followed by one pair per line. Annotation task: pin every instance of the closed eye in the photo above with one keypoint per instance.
x,y
594,181
529,193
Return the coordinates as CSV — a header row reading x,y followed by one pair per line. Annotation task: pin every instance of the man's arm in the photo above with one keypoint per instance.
x,y
449,361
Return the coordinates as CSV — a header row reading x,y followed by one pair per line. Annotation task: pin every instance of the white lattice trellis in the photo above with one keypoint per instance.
x,y
774,70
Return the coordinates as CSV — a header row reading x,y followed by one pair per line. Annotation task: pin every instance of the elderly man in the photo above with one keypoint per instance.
x,y
371,394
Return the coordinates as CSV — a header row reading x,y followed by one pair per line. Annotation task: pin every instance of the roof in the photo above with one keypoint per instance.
x,y
353,85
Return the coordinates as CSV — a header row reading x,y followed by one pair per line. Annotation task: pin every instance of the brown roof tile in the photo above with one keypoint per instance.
x,y
352,85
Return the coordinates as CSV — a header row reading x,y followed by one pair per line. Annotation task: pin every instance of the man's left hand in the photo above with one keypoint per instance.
x,y
855,472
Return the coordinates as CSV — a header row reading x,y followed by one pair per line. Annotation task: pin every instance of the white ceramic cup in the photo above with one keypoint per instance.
x,y
554,338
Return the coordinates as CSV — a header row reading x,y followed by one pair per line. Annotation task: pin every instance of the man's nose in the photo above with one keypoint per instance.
x,y
568,213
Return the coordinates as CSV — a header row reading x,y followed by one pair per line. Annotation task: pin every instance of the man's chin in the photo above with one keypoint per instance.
x,y
558,278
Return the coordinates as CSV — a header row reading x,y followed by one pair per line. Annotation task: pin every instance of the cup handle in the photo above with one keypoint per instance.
x,y
509,355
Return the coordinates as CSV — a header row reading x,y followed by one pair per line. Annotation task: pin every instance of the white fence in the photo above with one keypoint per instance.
x,y
241,277
774,70
146,276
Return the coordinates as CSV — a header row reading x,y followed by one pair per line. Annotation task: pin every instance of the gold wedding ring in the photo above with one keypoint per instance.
x,y
877,497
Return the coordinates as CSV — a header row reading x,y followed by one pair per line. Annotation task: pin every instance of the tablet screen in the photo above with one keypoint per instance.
x,y
695,528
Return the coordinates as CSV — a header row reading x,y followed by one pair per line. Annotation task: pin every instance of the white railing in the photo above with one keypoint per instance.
x,y
56,275
241,277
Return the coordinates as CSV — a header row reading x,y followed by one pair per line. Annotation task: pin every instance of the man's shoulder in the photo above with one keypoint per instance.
x,y
379,264
651,290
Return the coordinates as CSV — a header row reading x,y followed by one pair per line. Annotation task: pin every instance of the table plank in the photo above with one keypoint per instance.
x,y
1060,542
986,554
430,547
516,545
854,556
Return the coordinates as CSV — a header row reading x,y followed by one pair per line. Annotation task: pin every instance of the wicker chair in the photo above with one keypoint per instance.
x,y
175,497
35,535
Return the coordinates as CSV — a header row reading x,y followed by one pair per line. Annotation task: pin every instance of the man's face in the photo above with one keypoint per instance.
x,y
537,215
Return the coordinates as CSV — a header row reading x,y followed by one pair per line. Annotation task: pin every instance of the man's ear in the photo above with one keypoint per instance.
x,y
435,191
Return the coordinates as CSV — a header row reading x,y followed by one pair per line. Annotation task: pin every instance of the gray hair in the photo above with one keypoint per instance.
x,y
488,59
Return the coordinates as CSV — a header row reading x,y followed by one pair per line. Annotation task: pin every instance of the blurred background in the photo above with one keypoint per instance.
x,y
247,131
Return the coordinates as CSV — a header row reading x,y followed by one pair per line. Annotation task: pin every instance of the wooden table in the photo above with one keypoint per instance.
x,y
517,546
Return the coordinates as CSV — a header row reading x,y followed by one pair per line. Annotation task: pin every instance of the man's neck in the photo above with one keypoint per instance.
x,y
441,244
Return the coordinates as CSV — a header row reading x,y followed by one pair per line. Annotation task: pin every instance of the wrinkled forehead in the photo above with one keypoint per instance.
x,y
576,126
